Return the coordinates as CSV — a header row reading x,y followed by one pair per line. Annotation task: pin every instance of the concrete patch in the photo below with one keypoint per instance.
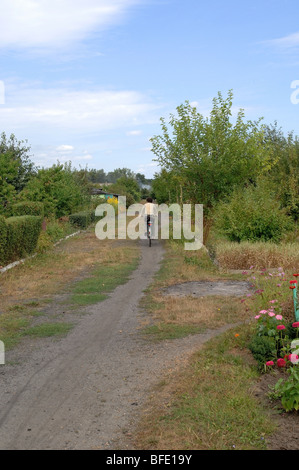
x,y
204,288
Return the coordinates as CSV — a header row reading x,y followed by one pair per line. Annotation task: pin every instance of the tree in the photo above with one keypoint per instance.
x,y
114,175
59,188
210,157
285,173
16,169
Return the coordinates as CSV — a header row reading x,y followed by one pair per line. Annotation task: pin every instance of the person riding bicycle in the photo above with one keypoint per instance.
x,y
149,212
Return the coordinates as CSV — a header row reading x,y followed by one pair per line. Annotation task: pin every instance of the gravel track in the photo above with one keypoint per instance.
x,y
86,391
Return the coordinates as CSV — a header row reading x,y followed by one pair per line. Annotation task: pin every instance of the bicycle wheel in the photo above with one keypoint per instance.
x,y
149,235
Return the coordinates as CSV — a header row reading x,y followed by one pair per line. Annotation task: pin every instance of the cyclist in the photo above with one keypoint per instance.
x,y
149,212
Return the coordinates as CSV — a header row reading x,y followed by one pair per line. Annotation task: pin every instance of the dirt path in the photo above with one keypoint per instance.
x,y
85,391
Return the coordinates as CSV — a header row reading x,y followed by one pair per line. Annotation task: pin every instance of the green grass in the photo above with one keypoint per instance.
x,y
167,331
14,323
46,330
104,280
211,405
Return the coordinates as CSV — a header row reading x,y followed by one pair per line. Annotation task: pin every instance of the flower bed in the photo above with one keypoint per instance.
x,y
275,343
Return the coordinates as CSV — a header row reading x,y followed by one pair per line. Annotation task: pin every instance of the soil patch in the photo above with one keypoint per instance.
x,y
287,435
204,288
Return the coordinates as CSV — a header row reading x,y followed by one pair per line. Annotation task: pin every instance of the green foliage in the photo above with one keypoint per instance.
x,y
263,349
285,172
166,187
3,238
28,208
22,236
130,186
16,169
288,390
58,188
252,213
211,157
83,219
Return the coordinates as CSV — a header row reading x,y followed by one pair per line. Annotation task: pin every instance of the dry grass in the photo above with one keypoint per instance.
x,y
51,272
261,255
205,403
206,312
203,312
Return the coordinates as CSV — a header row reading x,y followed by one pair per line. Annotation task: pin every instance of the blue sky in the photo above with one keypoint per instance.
x,y
88,81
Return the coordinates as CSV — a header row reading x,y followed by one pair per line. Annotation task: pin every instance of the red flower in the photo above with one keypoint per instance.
x,y
281,363
292,287
270,363
296,275
296,324
293,282
281,327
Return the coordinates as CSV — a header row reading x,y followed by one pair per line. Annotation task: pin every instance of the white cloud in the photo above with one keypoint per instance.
x,y
74,111
56,23
287,42
134,133
64,148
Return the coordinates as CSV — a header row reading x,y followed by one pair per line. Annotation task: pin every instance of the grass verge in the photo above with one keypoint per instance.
x,y
209,405
174,317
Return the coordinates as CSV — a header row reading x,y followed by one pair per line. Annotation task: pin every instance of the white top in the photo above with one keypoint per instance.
x,y
149,209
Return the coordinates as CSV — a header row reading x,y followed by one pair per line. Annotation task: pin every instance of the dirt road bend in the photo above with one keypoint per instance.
x,y
85,390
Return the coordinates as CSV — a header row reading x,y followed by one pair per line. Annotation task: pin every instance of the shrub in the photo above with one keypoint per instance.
x,y
28,208
22,236
58,188
82,219
263,348
252,214
3,237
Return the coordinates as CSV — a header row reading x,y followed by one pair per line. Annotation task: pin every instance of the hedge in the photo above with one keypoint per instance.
x,y
28,208
3,238
21,237
83,219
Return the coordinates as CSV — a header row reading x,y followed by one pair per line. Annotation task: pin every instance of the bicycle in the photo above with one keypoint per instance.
x,y
149,230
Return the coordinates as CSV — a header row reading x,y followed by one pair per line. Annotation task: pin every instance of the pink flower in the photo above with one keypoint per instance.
x,y
269,363
278,317
281,327
263,311
272,301
281,363
296,324
257,317
271,314
293,358
278,285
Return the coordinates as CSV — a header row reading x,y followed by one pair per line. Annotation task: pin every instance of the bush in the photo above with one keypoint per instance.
x,y
3,237
252,214
82,219
263,348
28,208
22,236
58,188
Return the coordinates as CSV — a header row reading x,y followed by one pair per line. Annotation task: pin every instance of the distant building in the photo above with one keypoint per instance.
x,y
105,194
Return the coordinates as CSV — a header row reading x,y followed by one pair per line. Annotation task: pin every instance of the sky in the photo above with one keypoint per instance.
x,y
88,81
